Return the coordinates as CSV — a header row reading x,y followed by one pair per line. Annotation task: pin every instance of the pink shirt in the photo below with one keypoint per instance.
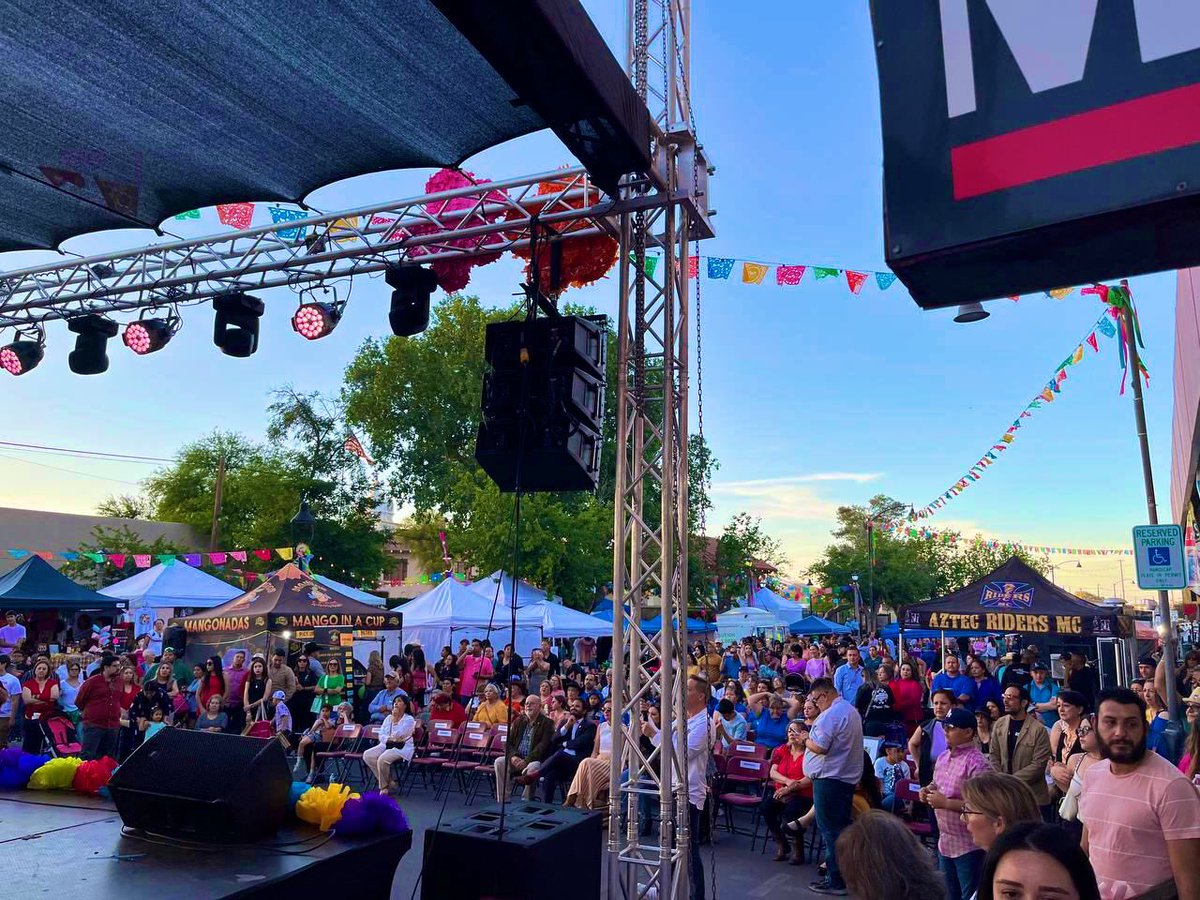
x,y
472,668
952,768
1129,820
815,668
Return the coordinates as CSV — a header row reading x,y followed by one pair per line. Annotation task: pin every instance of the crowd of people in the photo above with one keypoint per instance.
x,y
1010,773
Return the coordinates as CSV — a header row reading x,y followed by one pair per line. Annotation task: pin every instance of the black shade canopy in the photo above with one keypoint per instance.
x,y
122,113
1015,598
35,584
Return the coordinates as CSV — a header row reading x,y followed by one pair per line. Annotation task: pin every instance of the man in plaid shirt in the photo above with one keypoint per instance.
x,y
959,858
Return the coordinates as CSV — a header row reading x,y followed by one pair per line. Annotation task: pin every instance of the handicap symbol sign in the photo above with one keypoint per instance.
x,y
1159,556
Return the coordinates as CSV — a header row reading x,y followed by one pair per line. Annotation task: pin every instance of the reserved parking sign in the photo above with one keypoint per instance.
x,y
1161,565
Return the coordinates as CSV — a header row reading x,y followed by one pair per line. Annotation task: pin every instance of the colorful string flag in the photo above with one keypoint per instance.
x,y
822,272
235,215
753,273
141,560
1046,394
1120,302
167,559
279,214
264,555
218,557
693,267
285,552
719,267
855,280
884,280
192,559
787,275
190,214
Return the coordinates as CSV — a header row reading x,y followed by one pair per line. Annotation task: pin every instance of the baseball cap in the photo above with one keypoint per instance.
x,y
278,695
960,718
1146,661
1040,667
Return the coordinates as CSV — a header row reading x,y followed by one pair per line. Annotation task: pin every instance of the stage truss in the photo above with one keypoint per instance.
x,y
659,213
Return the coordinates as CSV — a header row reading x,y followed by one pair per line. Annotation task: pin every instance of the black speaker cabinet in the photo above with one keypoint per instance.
x,y
546,853
197,786
175,636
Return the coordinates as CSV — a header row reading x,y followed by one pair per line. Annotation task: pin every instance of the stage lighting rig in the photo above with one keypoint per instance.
x,y
412,286
316,318
90,356
24,353
151,335
235,328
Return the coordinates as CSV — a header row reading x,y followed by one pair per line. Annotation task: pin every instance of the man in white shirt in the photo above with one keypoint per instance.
x,y
156,637
8,709
12,635
833,759
700,740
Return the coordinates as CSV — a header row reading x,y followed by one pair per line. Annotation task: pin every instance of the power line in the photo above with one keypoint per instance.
x,y
30,462
95,454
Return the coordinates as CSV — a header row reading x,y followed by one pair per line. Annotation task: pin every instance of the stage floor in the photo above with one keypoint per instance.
x,y
61,844
50,861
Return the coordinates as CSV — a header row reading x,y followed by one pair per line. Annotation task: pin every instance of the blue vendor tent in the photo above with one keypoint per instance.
x,y
815,625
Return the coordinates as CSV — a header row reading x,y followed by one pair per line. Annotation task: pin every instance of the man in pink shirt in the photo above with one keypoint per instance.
x,y
472,668
1141,816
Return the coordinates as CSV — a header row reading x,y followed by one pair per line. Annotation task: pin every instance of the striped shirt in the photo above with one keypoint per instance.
x,y
1129,820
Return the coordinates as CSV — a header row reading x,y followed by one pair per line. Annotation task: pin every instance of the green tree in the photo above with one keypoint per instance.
x,y
742,542
125,506
114,540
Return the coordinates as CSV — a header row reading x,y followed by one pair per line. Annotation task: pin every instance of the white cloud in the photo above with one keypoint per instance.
x,y
856,477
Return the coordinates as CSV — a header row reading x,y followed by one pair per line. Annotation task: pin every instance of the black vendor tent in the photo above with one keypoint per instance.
x,y
1014,598
37,585
290,600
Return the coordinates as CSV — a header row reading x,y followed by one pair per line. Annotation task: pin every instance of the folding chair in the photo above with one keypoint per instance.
x,y
343,737
438,750
469,754
354,756
485,769
907,791
750,774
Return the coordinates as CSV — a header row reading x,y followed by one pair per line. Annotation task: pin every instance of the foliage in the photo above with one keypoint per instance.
x,y
741,542
907,569
114,540
125,506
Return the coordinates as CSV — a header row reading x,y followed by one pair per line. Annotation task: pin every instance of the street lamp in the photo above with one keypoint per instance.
x,y
303,524
1078,565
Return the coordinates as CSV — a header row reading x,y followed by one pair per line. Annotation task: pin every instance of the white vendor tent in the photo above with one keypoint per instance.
x,y
559,621
347,591
786,610
527,594
744,621
452,611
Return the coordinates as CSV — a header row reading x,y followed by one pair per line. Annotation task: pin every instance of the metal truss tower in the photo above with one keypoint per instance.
x,y
651,508
655,215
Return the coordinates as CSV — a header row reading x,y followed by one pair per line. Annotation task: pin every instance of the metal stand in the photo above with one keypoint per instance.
x,y
660,212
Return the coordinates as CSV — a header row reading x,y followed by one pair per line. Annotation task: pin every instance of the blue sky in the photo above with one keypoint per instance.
x,y
813,398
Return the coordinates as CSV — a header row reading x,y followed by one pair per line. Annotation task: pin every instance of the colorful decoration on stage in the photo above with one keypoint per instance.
x,y
17,767
953,538
372,813
455,274
1045,395
322,806
93,775
584,260
55,774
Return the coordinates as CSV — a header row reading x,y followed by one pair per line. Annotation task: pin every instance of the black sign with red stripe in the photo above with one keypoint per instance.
x,y
1030,145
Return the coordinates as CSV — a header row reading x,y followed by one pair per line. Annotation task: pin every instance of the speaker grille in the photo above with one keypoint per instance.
x,y
193,764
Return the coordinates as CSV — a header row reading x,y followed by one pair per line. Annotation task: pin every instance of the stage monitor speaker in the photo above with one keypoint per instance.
x,y
546,852
175,636
208,788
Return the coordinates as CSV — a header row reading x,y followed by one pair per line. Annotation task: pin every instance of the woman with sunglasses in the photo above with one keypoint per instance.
x,y
1077,765
331,686
213,683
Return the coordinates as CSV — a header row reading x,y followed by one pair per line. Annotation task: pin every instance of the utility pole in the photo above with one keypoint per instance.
x,y
218,491
1139,412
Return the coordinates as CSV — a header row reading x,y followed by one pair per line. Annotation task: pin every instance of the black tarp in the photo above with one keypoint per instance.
x,y
290,599
1015,598
37,585
122,113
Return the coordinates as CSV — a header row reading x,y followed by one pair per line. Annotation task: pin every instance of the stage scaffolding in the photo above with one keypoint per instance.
x,y
659,214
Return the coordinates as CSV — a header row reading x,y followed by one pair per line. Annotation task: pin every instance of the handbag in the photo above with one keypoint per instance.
x,y
1068,807
260,727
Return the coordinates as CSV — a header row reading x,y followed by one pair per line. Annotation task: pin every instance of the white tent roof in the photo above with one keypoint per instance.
x,y
787,610
558,621
527,594
178,585
347,591
454,605
752,616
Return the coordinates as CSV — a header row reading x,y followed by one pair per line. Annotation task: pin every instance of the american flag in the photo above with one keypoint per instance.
x,y
354,445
